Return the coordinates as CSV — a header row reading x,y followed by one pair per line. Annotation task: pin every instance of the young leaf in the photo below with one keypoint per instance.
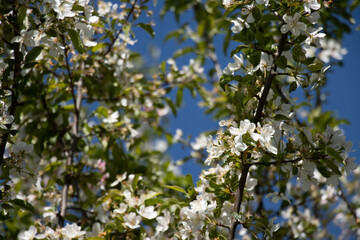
x,y
179,96
177,188
147,28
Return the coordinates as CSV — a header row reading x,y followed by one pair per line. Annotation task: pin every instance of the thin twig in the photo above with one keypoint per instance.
x,y
348,204
121,29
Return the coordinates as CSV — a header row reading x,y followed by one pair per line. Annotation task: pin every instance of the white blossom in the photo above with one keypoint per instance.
x,y
215,149
200,143
113,118
250,183
147,212
132,220
331,49
63,8
227,3
293,24
29,234
265,62
311,4
315,37
266,2
6,119
313,17
239,62
163,221
275,197
239,25
71,231
22,147
48,234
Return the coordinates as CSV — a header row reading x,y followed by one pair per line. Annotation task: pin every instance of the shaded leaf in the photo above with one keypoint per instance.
x,y
334,154
33,54
23,204
76,40
330,164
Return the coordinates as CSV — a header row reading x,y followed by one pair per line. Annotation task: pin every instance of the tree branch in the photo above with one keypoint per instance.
x,y
17,70
258,115
77,99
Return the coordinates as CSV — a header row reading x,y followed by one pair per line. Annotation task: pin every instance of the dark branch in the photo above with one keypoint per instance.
x,y
258,115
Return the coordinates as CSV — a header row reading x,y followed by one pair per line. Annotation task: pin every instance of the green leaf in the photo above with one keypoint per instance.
x,y
173,34
71,217
238,49
260,38
293,86
51,32
241,37
256,14
322,169
298,53
176,188
21,14
153,201
230,9
183,51
316,66
99,46
77,7
295,170
308,61
148,28
224,80
33,54
281,62
334,154
179,96
269,17
281,117
76,40
135,181
171,105
189,179
23,204
330,164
